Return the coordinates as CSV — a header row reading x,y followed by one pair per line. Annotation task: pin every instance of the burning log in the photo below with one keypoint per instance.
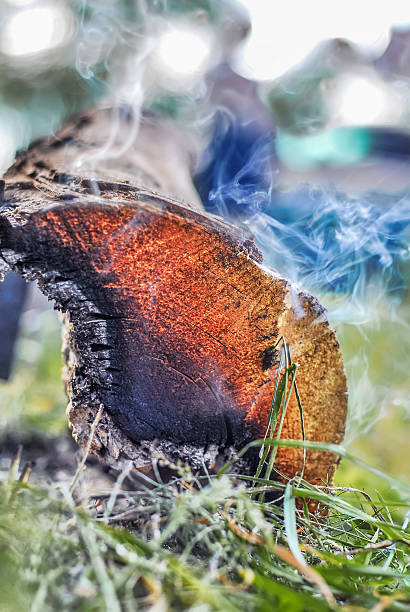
x,y
171,321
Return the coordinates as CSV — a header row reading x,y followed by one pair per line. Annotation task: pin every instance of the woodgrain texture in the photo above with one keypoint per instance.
x,y
170,316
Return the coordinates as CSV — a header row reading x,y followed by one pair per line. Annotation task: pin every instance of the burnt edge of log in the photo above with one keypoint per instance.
x,y
170,320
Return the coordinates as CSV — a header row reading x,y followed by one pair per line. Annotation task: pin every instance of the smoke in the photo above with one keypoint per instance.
x,y
350,250
235,178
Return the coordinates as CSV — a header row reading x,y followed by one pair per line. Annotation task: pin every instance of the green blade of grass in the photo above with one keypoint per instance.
x,y
289,511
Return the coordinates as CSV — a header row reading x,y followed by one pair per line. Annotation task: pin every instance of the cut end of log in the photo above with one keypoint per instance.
x,y
171,324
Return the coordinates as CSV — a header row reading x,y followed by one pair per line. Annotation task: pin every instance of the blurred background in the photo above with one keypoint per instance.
x,y
302,118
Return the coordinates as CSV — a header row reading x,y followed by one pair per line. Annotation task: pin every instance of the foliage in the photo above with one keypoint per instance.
x,y
210,543
33,400
202,543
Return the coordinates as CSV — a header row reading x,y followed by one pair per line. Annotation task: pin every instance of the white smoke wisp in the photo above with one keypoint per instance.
x,y
353,254
350,251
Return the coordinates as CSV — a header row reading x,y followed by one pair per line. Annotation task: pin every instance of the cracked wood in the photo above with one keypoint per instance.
x,y
170,316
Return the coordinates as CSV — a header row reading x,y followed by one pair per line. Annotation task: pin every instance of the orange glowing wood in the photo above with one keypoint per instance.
x,y
171,317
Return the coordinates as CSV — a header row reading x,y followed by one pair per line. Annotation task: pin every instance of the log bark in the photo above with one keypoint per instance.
x,y
170,315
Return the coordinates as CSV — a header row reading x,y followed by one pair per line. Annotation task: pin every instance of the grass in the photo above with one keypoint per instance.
x,y
33,400
285,384
199,544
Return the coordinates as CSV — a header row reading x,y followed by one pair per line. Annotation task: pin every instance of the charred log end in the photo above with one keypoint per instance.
x,y
170,320
171,326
